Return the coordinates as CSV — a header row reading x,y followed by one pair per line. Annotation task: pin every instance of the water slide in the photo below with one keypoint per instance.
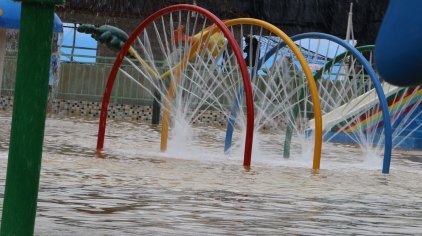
x,y
358,105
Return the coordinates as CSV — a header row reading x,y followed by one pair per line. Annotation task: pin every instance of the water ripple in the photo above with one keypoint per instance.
x,y
138,190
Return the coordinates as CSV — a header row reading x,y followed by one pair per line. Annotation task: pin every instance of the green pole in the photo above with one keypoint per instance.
x,y
28,121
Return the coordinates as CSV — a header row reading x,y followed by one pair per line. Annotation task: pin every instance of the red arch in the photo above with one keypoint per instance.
x,y
246,81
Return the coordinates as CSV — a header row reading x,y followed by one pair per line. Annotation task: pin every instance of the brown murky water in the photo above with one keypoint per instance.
x,y
136,190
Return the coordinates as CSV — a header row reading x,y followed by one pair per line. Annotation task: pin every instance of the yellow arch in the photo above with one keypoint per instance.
x,y
295,50
312,85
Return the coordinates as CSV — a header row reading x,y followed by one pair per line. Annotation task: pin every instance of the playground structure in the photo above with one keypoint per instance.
x,y
280,83
194,63
206,68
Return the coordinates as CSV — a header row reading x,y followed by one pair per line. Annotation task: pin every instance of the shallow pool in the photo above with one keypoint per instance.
x,y
193,189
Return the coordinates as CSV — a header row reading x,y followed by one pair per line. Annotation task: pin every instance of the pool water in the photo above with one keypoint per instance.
x,y
193,189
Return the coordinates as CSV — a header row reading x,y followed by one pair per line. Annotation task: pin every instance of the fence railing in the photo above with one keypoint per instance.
x,y
87,81
9,76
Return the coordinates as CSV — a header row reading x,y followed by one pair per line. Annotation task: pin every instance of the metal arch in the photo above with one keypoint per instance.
x,y
312,85
236,50
377,85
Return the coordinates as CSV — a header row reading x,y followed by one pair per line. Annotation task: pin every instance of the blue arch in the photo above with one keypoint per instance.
x,y
377,85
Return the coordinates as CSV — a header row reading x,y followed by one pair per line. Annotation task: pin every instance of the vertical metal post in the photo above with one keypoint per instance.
x,y
28,121
156,107
73,43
